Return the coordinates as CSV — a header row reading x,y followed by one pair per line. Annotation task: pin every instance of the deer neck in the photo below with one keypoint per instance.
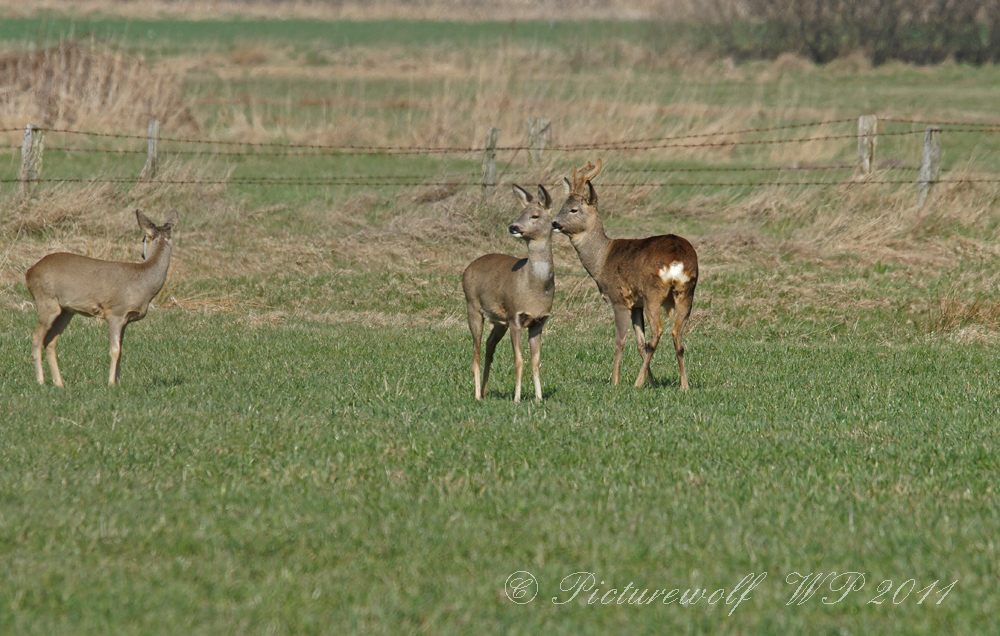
x,y
156,265
540,272
592,247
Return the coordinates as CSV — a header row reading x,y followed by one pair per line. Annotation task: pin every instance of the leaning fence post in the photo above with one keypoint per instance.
x,y
152,153
490,160
31,158
930,165
867,134
539,135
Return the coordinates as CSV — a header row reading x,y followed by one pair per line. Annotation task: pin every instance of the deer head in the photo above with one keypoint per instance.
x,y
578,214
535,222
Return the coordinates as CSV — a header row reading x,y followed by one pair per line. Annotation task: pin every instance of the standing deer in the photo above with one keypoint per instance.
x,y
66,284
513,293
636,276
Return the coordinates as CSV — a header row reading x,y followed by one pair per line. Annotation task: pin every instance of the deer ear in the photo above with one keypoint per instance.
x,y
171,219
592,194
567,186
522,195
144,222
544,197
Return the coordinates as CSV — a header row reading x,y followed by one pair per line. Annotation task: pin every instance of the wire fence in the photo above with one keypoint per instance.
x,y
784,175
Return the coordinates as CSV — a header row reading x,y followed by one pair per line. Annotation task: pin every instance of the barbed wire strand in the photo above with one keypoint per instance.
x,y
458,181
334,151
456,184
628,144
473,149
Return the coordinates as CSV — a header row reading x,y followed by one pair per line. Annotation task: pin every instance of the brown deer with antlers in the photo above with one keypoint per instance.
x,y
636,276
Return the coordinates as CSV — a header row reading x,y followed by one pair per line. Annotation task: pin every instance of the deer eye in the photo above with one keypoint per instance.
x,y
574,210
534,217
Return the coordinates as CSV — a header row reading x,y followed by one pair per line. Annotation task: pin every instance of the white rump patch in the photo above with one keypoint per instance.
x,y
674,273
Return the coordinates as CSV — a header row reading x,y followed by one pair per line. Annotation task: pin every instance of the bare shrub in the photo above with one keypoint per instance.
x,y
920,31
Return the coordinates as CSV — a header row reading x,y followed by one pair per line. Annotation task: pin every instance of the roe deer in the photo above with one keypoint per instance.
x,y
636,276
513,293
66,284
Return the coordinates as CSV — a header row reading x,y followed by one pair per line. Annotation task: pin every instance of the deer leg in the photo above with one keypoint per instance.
x,y
639,326
535,345
491,346
515,341
476,327
116,332
47,314
682,310
656,330
36,351
623,317
48,338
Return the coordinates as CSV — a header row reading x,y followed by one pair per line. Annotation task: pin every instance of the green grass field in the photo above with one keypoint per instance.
x,y
307,478
295,448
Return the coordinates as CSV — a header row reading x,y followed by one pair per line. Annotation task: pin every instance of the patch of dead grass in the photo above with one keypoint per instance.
x,y
967,315
71,84
442,228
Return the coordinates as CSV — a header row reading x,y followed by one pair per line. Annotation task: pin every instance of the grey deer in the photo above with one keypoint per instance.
x,y
65,284
513,293
636,276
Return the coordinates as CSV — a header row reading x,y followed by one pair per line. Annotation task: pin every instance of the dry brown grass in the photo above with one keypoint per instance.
x,y
72,85
482,88
439,229
960,311
91,208
871,222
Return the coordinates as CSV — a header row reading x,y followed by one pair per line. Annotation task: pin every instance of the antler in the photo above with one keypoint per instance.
x,y
582,175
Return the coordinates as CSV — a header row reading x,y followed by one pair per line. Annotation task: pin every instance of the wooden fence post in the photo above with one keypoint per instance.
x,y
490,160
539,135
930,165
867,135
31,158
152,153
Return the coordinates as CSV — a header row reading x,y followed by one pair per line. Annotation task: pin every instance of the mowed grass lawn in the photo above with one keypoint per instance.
x,y
308,478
